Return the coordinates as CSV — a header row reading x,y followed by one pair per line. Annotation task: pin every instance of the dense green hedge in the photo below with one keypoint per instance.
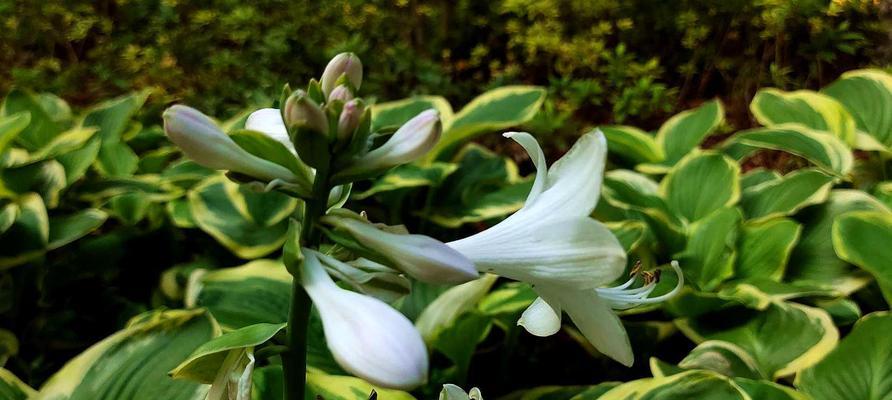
x,y
635,61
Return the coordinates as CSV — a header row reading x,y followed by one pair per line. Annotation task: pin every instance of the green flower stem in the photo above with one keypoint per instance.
x,y
294,361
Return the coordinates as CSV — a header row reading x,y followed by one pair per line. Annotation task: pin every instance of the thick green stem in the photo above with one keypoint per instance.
x,y
294,361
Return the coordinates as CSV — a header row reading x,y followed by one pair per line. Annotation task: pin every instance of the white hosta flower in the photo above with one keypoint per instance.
x,y
367,337
553,244
419,256
200,139
269,121
411,141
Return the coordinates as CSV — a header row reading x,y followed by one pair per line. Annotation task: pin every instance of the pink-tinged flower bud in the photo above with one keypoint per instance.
x,y
344,64
349,119
200,139
341,93
367,337
303,112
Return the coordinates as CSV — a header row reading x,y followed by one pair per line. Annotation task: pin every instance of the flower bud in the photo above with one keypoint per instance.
x,y
367,337
200,139
341,93
349,119
303,112
419,256
411,141
344,64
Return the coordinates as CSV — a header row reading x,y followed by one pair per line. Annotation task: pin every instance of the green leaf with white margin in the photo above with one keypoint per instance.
x,y
867,94
248,223
686,130
858,368
133,363
12,388
409,176
764,248
494,110
254,293
698,384
28,236
65,142
814,260
783,339
66,229
700,184
269,385
458,342
42,128
817,111
862,238
111,118
757,176
759,389
208,360
714,355
708,258
630,233
787,195
443,312
393,114
507,302
488,206
632,144
562,392
11,126
826,151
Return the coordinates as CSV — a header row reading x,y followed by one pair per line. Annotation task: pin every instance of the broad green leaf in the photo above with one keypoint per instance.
x,y
248,223
766,390
65,142
760,294
562,392
12,388
815,110
204,363
787,195
825,151
11,126
783,339
630,233
77,162
335,387
508,300
42,128
28,236
494,110
714,355
883,192
708,258
842,310
858,368
632,144
458,342
408,176
254,293
862,238
867,94
449,306
64,230
686,130
133,363
111,118
46,178
764,248
700,184
698,384
393,114
129,208
757,176
813,260
491,205
180,214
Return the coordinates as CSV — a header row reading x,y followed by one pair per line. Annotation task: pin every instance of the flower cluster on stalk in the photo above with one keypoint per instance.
x,y
323,136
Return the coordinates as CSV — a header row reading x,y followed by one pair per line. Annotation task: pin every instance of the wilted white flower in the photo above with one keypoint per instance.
x,y
367,337
200,139
567,256
411,141
419,256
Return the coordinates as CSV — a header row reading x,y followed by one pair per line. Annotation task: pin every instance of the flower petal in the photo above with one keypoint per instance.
x,y
541,319
594,318
269,121
532,148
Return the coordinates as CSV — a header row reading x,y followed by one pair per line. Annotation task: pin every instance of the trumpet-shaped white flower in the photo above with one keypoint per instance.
x,y
367,337
269,121
419,256
200,139
568,257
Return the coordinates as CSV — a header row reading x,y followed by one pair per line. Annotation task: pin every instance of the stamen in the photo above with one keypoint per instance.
x,y
621,298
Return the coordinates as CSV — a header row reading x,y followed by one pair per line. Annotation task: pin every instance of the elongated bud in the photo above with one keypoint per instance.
x,y
411,141
419,256
200,139
341,93
349,119
303,112
346,65
367,337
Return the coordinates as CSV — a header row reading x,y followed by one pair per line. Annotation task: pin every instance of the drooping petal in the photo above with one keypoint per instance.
x,y
594,318
269,121
367,337
532,148
579,253
541,319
